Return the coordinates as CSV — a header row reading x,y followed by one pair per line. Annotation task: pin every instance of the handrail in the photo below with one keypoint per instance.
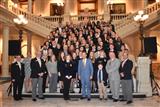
x,y
31,17
129,19
118,16
54,18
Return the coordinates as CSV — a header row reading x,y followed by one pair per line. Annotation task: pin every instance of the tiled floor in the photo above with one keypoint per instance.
x,y
6,101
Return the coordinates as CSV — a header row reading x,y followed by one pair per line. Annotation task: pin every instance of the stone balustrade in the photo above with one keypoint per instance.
x,y
130,25
32,17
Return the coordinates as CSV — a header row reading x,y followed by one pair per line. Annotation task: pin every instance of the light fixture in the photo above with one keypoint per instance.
x,y
20,20
109,2
140,18
58,2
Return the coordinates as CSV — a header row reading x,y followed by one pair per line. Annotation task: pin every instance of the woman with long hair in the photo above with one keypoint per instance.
x,y
68,74
53,74
60,66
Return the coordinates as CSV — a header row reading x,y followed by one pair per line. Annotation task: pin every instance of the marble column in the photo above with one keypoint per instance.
x,y
145,3
66,11
30,6
6,3
106,11
143,75
5,62
29,43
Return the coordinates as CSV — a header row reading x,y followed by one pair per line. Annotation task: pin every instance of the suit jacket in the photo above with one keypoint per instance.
x,y
112,69
36,69
68,69
16,72
126,69
104,75
85,71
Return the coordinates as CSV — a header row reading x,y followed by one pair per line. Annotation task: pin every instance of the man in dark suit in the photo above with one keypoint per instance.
x,y
17,76
38,69
126,78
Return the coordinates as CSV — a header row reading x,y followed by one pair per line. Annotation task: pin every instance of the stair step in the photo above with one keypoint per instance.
x,y
78,95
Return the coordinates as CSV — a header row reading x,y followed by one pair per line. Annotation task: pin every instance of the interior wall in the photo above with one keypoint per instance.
x,y
100,6
73,7
37,41
131,5
157,35
133,43
0,43
42,7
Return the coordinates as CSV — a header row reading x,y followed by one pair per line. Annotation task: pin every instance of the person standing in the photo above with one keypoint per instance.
x,y
75,70
53,74
37,71
60,66
45,74
27,69
85,72
126,78
68,74
17,77
112,69
102,81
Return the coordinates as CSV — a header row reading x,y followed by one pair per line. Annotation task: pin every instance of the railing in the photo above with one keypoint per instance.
x,y
129,19
54,18
83,17
77,18
116,17
30,17
34,18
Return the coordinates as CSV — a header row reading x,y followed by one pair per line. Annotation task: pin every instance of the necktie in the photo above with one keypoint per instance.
x,y
19,64
84,62
100,76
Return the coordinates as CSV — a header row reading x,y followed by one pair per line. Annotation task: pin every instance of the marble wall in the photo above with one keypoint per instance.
x,y
42,7
37,41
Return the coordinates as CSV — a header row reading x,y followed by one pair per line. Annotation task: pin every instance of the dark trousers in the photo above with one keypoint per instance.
x,y
44,83
17,88
66,88
80,86
127,89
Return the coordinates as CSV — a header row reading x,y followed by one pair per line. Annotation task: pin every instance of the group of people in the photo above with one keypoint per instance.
x,y
89,55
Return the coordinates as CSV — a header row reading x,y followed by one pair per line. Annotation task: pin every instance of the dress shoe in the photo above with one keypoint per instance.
x,y
20,98
89,99
122,100
41,98
105,99
72,92
129,102
34,100
82,98
100,99
16,99
115,100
